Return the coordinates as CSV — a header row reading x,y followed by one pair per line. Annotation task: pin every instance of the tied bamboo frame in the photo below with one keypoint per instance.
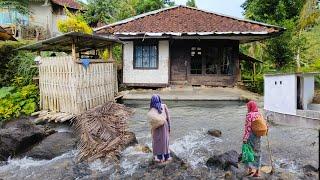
x,y
67,86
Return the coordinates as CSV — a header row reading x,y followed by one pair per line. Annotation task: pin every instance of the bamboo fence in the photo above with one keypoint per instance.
x,y
68,87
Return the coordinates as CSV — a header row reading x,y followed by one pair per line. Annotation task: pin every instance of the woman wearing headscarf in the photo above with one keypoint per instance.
x,y
253,139
159,119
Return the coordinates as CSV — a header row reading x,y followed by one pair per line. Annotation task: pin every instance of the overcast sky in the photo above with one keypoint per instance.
x,y
227,7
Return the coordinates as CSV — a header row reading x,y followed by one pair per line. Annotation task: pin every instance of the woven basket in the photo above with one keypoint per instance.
x,y
155,119
259,126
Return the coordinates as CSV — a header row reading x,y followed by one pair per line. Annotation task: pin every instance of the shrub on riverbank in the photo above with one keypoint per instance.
x,y
16,101
18,95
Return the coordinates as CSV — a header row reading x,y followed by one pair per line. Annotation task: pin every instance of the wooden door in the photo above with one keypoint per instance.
x,y
179,61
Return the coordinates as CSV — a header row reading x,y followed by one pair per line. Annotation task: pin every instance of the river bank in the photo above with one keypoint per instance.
x,y
292,147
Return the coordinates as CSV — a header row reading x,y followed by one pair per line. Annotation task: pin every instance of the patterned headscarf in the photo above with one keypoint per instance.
x,y
156,103
252,106
253,111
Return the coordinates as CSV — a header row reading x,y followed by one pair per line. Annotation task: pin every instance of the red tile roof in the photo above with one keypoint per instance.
x,y
182,19
5,35
68,3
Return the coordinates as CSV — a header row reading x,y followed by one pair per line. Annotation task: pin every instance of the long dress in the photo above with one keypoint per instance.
x,y
160,136
253,140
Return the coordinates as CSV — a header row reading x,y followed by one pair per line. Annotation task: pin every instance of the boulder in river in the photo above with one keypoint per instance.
x,y
309,168
52,146
214,132
143,148
19,136
224,161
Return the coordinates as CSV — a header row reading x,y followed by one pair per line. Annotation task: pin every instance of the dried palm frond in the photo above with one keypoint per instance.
x,y
102,131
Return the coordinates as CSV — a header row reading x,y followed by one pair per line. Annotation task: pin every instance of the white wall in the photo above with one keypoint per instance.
x,y
40,15
308,90
281,98
146,76
55,18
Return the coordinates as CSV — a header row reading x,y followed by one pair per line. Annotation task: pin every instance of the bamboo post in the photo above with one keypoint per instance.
x,y
110,53
254,73
73,49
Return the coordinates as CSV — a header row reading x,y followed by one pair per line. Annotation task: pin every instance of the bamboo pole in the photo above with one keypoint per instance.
x,y
73,49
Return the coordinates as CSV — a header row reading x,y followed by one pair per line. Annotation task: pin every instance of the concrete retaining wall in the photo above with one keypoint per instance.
x,y
292,120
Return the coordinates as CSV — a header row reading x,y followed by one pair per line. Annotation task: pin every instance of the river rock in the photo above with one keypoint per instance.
x,y
52,146
214,132
19,136
150,169
143,148
224,161
309,168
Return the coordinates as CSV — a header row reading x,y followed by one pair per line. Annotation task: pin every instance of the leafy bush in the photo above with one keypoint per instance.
x,y
17,101
7,53
21,69
256,86
74,23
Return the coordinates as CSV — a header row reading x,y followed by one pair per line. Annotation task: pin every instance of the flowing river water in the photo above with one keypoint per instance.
x,y
292,147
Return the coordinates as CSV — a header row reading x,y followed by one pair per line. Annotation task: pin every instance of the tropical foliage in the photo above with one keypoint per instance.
x,y
20,6
14,63
191,3
16,101
108,11
295,50
18,95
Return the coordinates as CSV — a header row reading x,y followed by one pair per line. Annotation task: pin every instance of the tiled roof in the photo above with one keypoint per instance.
x,y
191,21
4,35
68,3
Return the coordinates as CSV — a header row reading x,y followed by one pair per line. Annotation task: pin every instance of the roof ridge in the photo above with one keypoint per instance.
x,y
177,6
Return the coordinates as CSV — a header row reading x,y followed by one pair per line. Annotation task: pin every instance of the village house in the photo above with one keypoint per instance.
x,y
41,23
184,45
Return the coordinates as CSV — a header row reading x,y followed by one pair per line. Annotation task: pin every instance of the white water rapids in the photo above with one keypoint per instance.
x,y
188,140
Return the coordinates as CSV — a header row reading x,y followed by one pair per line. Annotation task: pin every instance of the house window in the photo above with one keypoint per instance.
x,y
196,60
226,61
145,55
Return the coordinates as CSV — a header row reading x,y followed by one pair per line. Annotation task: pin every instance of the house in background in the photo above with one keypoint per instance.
x,y
42,21
184,45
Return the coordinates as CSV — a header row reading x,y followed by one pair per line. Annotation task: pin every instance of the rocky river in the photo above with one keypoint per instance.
x,y
294,150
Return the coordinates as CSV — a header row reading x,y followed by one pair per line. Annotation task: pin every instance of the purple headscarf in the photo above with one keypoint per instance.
x,y
156,103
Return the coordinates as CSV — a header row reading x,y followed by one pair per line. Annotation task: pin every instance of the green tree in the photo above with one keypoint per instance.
x,y
144,6
272,11
191,3
279,51
104,11
309,16
108,11
20,6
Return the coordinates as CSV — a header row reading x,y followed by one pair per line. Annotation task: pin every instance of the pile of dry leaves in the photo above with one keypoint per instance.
x,y
102,131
